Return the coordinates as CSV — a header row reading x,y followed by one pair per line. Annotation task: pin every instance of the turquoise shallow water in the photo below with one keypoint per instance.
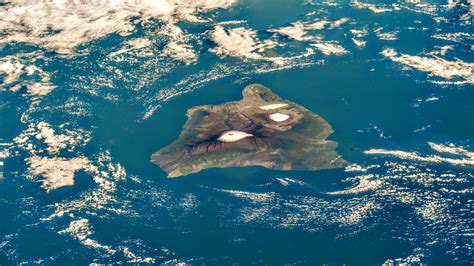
x,y
119,110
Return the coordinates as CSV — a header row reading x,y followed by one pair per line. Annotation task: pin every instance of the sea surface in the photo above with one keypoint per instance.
x,y
89,90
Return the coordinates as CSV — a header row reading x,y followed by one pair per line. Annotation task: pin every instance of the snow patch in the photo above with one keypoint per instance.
x,y
233,135
273,106
279,117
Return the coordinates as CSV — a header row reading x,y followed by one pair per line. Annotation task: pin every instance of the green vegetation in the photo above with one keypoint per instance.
x,y
298,143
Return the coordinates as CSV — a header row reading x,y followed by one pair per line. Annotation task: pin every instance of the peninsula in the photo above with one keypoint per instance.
x,y
260,130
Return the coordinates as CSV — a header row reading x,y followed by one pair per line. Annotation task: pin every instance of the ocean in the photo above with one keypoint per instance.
x,y
86,99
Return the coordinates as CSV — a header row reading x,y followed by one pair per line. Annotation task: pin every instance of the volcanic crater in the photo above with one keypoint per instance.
x,y
260,130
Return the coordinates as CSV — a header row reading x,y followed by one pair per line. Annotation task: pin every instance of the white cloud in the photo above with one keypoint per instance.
x,y
365,183
69,138
386,36
330,48
454,37
180,51
434,65
240,42
39,89
359,33
451,149
81,230
359,43
299,30
371,7
132,45
177,47
62,25
466,158
56,172
14,67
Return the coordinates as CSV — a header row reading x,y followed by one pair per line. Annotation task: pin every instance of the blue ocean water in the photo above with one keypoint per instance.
x,y
406,127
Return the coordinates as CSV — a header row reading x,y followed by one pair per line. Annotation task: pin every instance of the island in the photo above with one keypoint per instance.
x,y
260,130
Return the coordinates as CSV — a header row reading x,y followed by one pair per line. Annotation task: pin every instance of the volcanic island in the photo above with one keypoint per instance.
x,y
260,130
